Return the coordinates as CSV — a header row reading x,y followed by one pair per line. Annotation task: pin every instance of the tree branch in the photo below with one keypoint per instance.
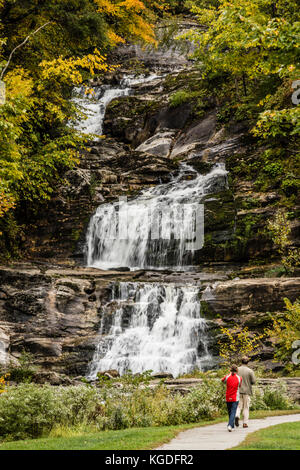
x,y
20,45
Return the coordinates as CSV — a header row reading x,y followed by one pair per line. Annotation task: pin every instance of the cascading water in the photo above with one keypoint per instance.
x,y
169,209
94,102
3,353
155,327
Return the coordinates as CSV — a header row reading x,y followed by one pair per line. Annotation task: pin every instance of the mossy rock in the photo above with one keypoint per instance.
x,y
206,311
220,212
130,107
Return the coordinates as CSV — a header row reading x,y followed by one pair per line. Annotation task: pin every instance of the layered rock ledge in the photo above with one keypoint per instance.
x,y
55,312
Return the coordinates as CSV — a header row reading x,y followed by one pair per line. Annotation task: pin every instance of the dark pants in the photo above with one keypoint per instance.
x,y
232,407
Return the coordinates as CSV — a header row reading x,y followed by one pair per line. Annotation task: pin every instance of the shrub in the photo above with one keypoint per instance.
x,y
119,418
29,410
257,400
277,399
25,371
280,228
180,97
286,332
205,402
271,398
237,342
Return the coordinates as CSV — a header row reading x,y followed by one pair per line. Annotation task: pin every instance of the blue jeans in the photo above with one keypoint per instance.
x,y
232,407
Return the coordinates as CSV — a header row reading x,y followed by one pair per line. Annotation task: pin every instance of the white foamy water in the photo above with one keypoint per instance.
x,y
158,224
155,327
3,353
94,104
150,326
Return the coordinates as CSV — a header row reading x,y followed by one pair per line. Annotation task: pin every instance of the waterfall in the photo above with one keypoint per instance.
x,y
168,211
155,327
3,353
93,101
150,326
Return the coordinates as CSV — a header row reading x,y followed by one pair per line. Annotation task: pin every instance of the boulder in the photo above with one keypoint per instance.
x,y
195,137
52,378
110,374
162,376
159,144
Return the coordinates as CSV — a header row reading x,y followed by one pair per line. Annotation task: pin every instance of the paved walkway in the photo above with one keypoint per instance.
x,y
216,436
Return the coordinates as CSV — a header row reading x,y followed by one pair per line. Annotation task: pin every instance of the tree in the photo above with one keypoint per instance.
x,y
280,229
248,37
47,47
256,44
236,343
128,19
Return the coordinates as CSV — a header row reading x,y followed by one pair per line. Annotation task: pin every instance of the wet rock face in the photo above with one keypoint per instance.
x,y
251,303
169,57
195,137
146,139
56,315
56,320
252,295
159,144
107,171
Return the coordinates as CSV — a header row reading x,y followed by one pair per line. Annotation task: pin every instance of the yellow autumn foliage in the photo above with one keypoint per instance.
x,y
134,19
114,39
70,69
6,202
4,383
239,342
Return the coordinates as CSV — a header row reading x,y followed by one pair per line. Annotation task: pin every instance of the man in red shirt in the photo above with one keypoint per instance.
x,y
233,383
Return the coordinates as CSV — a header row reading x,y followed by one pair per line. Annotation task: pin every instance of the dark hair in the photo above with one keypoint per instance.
x,y
234,368
245,360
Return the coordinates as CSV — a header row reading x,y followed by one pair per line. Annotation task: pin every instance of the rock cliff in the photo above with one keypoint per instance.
x,y
52,306
55,312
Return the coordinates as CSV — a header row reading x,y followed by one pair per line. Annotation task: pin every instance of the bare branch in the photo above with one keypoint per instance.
x,y
20,45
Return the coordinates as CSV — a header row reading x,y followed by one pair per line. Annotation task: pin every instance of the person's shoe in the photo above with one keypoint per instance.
x,y
237,421
229,428
245,425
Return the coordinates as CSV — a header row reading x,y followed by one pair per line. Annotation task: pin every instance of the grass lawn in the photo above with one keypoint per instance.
x,y
127,439
284,436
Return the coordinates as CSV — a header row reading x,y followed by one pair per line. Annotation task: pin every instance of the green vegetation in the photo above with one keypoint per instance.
x,y
24,371
271,398
32,411
248,77
261,59
47,48
127,439
280,228
236,343
284,436
286,332
196,97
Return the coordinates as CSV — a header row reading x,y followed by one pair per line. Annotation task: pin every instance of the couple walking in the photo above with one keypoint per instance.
x,y
238,391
